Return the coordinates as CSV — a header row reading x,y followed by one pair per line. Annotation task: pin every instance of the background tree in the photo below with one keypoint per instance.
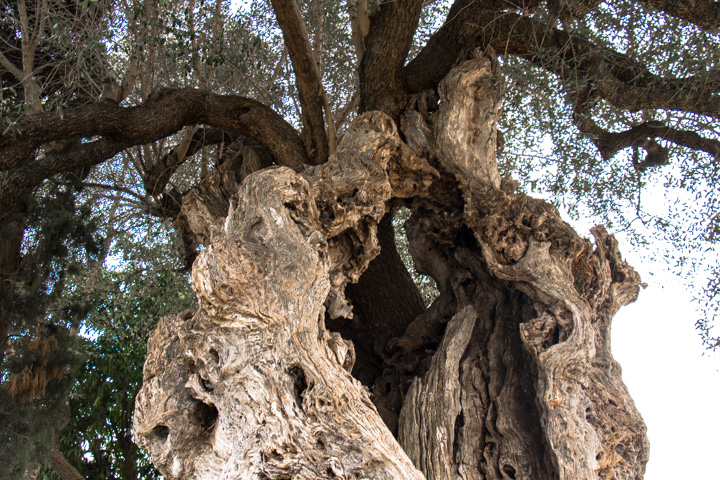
x,y
124,118
124,310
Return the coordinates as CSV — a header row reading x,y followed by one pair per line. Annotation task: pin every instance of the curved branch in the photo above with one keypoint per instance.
x,y
641,136
121,128
307,74
705,14
439,55
618,78
159,117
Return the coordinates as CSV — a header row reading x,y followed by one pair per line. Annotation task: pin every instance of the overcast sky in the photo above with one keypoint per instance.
x,y
675,383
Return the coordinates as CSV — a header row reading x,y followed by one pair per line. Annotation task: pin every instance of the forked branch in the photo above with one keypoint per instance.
x,y
313,99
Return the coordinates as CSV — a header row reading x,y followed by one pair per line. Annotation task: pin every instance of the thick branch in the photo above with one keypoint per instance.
x,y
621,80
20,179
122,128
644,135
10,67
155,119
640,136
307,75
159,117
386,47
459,31
62,467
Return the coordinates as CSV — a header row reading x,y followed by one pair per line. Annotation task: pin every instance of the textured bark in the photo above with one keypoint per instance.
x,y
386,47
266,385
508,375
61,466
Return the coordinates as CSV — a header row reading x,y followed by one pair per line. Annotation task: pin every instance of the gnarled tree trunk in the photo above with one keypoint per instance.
x,y
507,375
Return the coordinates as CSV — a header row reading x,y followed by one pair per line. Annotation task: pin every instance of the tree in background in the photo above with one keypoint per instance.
x,y
274,144
125,307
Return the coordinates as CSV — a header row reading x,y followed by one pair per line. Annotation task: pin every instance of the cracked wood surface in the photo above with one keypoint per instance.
x,y
508,374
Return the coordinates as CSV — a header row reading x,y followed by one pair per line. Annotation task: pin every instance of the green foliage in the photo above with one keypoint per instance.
x,y
126,306
667,212
33,400
240,50
59,231
70,56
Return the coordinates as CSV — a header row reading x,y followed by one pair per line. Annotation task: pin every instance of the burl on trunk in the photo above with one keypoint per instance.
x,y
507,375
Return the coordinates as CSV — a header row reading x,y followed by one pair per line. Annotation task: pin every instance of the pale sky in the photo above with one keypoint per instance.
x,y
675,383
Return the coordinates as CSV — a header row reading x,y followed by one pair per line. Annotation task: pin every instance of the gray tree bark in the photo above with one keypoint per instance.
x,y
508,375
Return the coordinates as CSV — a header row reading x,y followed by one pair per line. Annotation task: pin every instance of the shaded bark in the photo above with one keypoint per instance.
x,y
156,177
309,80
386,47
385,301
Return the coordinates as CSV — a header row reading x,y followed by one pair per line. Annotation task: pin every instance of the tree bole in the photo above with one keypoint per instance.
x,y
510,370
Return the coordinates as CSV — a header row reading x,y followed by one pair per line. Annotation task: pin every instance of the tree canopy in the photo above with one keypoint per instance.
x,y
117,117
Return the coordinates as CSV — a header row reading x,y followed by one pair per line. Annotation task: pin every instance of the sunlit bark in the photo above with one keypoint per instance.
x,y
511,374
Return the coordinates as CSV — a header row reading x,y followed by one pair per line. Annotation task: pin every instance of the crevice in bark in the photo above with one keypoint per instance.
x,y
206,415
507,374
385,301
283,250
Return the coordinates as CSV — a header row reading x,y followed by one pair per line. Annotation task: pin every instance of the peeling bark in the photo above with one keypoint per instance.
x,y
508,375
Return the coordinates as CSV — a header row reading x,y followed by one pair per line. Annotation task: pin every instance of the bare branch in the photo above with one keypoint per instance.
x,y
386,47
122,128
641,136
349,107
623,81
11,68
309,81
159,117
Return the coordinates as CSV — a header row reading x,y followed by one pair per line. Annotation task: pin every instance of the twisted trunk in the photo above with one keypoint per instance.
x,y
508,374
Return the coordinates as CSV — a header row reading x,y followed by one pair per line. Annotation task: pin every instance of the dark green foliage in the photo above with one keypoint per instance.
x,y
59,232
39,372
98,437
28,427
